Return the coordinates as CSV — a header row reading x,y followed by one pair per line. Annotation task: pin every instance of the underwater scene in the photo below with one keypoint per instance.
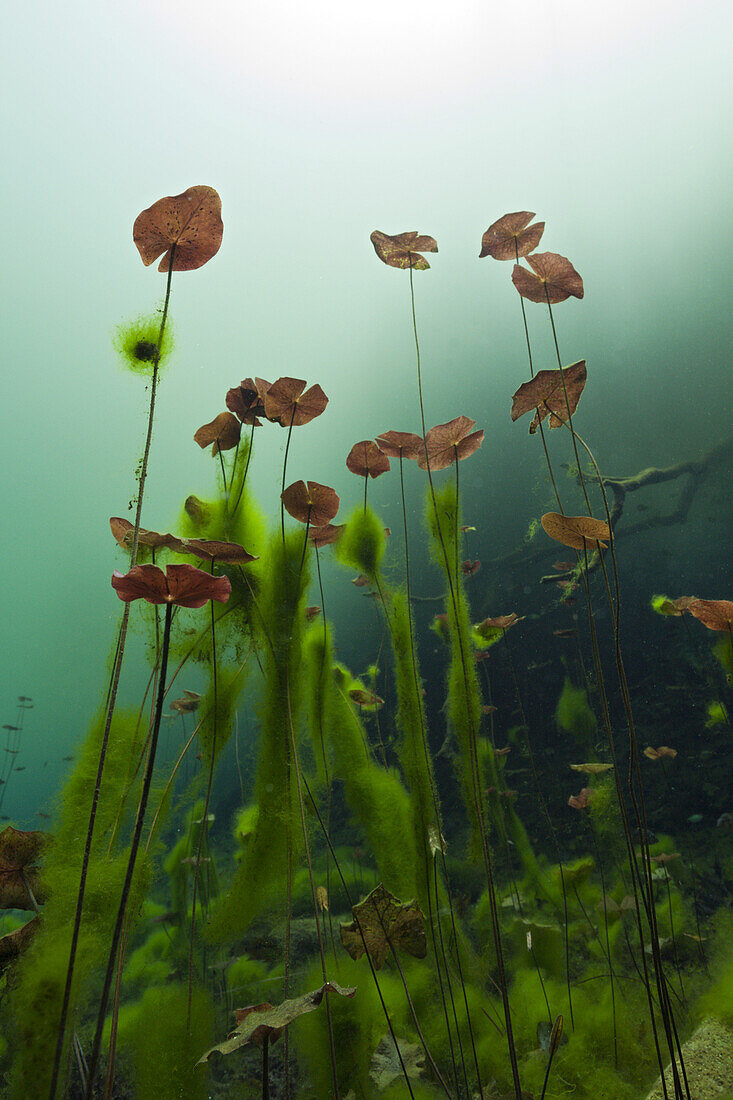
x,y
367,681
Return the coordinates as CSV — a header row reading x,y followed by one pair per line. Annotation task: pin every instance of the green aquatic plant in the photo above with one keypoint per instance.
x,y
186,230
574,715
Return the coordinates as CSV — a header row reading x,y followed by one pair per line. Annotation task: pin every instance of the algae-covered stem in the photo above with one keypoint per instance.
x,y
111,696
488,863
122,909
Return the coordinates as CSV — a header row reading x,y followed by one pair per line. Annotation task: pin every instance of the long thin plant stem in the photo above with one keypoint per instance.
x,y
111,700
134,846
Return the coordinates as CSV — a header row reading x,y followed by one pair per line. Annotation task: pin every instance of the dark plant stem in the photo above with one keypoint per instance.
x,y
475,774
246,469
111,700
366,483
282,506
117,932
266,1067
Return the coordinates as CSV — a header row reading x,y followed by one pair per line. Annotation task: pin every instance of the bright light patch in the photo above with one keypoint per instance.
x,y
383,49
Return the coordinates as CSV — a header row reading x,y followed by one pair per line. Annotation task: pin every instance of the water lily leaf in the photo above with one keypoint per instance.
x,y
592,768
20,852
188,702
222,432
576,531
214,550
550,1036
385,1066
364,698
402,250
286,402
257,1021
366,459
714,614
312,503
401,444
581,801
14,943
511,236
183,585
325,535
545,394
123,531
659,753
246,402
449,443
385,921
191,221
553,278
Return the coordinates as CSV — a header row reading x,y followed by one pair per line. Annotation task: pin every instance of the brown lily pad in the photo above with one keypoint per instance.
x,y
576,531
385,921
552,278
511,236
183,585
288,402
222,433
190,222
312,503
123,532
401,444
714,614
213,550
256,1022
20,852
364,698
188,702
324,536
366,459
403,249
246,402
660,752
545,395
14,943
469,568
449,443
581,801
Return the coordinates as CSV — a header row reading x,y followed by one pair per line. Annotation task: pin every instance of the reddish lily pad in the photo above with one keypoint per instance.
x,y
286,402
213,550
468,568
511,236
403,249
366,459
190,222
188,702
449,443
545,395
222,432
553,278
183,585
312,503
401,444
123,531
581,801
575,531
324,536
246,402
714,614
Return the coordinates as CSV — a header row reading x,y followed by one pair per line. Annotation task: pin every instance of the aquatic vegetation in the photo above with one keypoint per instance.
x,y
409,828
